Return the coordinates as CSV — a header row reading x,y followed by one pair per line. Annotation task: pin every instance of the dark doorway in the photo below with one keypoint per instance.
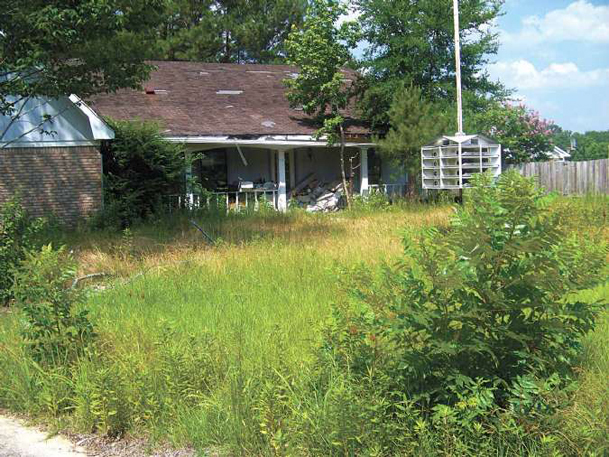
x,y
211,170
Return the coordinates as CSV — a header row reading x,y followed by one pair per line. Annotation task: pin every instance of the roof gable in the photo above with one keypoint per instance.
x,y
47,121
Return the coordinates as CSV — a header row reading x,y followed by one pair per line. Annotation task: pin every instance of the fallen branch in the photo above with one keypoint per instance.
x,y
89,276
208,238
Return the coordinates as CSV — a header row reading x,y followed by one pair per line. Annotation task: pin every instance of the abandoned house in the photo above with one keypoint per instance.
x,y
249,142
235,121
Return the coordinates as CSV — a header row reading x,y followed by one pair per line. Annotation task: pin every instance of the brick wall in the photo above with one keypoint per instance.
x,y
66,182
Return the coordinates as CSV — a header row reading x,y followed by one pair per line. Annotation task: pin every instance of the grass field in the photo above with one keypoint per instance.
x,y
199,347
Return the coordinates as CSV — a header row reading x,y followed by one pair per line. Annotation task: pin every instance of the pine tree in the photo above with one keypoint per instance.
x,y
414,122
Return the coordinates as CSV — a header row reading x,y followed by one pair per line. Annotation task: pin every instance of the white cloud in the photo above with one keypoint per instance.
x,y
522,74
580,21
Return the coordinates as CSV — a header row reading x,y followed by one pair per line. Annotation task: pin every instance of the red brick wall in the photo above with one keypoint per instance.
x,y
65,182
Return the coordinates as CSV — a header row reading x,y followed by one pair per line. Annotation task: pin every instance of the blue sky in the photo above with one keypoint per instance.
x,y
555,53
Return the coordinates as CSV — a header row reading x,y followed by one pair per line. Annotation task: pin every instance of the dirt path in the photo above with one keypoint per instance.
x,y
18,440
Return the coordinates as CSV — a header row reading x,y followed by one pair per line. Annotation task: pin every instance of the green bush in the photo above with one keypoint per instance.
x,y
55,332
475,321
18,233
140,168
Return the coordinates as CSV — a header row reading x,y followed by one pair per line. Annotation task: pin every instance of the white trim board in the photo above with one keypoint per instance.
x,y
277,142
47,144
101,130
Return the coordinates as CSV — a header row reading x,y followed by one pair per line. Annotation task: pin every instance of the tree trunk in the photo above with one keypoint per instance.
x,y
342,166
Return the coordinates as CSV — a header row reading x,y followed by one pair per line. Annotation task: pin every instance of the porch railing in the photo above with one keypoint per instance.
x,y
229,201
252,199
391,190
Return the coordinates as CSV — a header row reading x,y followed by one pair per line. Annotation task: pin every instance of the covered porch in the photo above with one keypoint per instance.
x,y
239,173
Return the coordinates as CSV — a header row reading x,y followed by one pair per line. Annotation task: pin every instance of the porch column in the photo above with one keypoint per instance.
x,y
363,160
190,197
282,197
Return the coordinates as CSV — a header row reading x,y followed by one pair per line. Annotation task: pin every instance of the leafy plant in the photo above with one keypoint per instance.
x,y
482,304
522,133
414,122
55,331
140,167
18,233
321,50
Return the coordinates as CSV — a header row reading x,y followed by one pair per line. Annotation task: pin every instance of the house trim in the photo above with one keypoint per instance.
x,y
47,144
100,129
276,142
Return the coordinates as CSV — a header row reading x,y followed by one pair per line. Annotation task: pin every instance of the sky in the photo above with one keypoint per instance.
x,y
555,53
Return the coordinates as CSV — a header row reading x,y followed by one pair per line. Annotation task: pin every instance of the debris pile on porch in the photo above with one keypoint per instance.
x,y
317,196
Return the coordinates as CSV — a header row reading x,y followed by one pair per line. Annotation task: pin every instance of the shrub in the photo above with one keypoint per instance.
x,y
140,167
55,332
475,319
18,233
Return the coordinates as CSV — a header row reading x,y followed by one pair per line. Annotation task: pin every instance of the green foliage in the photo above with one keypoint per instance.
x,y
55,332
219,349
414,122
55,48
140,168
18,234
476,313
588,146
228,31
321,50
412,43
523,135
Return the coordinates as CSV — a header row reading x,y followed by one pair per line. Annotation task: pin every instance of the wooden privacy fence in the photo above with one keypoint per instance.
x,y
569,177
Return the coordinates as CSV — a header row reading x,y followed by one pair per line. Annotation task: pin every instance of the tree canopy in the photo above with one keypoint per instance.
x,y
412,42
55,48
588,146
228,30
523,134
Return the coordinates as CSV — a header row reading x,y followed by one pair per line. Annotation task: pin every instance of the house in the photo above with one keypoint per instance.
x,y
50,157
248,141
558,154
235,121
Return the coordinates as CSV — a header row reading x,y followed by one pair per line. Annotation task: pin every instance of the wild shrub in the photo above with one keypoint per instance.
x,y
18,233
474,320
56,332
140,167
375,201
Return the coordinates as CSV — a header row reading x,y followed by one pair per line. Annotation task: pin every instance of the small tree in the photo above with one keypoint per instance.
x,y
56,330
414,122
523,135
489,302
140,167
321,50
18,234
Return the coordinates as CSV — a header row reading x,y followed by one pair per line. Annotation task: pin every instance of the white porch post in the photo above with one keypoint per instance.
x,y
363,153
190,197
282,197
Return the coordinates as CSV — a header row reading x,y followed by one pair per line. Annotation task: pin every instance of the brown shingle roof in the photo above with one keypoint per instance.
x,y
195,101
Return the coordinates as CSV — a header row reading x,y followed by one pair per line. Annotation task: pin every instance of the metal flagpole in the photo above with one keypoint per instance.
x,y
458,68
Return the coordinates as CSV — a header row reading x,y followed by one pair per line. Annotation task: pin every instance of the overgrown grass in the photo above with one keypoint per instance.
x,y
214,346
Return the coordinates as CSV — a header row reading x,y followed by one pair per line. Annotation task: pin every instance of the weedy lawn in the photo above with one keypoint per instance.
x,y
202,345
